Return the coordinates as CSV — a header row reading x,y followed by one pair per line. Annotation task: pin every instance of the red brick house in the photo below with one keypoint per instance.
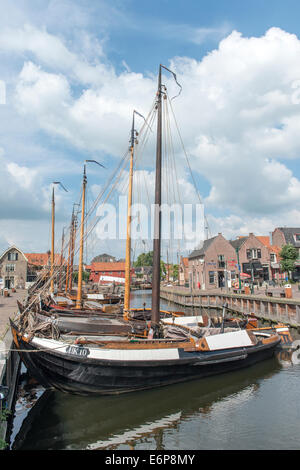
x,y
183,271
213,265
274,250
254,257
106,273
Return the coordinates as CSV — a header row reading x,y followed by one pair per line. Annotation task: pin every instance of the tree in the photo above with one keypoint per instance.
x,y
163,269
288,255
175,271
144,259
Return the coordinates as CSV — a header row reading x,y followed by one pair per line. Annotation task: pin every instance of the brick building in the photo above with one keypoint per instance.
x,y
106,273
18,269
13,268
213,265
104,258
183,271
274,250
254,257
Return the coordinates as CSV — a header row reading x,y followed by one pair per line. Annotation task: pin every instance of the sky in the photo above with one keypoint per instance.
x,y
72,72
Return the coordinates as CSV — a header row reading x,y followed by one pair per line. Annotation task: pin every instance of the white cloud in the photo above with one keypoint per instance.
x,y
237,112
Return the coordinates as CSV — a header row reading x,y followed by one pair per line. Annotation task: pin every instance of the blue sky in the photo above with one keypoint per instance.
x,y
74,72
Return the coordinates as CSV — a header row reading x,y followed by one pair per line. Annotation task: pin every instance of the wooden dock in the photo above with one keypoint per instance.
x,y
272,309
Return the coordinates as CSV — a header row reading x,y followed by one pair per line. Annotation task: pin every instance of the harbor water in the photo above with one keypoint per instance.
x,y
255,408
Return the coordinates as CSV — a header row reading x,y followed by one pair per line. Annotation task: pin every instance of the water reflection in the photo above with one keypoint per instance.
x,y
234,410
61,421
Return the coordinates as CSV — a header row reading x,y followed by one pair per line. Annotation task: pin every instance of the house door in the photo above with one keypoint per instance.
x,y
221,279
9,282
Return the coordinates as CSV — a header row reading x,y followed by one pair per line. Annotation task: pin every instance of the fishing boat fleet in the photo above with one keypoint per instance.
x,y
95,343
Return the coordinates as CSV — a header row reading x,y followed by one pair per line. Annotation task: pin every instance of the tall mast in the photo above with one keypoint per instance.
x,y
84,183
53,236
61,258
69,255
79,291
128,239
155,316
52,244
74,226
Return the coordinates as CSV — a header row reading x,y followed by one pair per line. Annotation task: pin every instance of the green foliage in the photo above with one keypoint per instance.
x,y
144,259
163,270
175,271
3,444
288,255
4,414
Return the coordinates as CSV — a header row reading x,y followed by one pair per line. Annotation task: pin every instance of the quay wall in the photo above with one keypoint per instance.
x,y
274,310
9,375
9,361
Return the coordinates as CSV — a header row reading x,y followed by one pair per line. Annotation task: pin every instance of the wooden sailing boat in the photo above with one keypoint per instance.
x,y
110,365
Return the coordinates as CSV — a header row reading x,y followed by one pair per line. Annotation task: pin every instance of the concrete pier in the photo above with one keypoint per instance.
x,y
9,359
272,309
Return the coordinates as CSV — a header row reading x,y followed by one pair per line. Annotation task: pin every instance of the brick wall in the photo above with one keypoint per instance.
x,y
208,270
254,244
278,238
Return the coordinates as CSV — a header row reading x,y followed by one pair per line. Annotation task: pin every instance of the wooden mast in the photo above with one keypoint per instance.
x,y
79,289
61,258
155,316
52,244
84,183
128,239
69,257
72,251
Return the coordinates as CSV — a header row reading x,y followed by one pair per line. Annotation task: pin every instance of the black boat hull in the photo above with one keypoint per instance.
x,y
88,376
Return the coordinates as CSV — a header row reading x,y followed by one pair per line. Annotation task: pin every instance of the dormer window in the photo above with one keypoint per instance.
x,y
297,237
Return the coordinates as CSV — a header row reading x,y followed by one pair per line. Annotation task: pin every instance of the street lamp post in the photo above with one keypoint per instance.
x,y
239,268
252,277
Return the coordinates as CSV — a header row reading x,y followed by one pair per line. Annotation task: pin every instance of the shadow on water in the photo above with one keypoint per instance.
x,y
62,421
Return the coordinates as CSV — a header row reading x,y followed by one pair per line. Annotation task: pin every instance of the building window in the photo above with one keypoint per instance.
x,y
297,237
12,256
10,268
211,275
253,253
221,261
273,258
